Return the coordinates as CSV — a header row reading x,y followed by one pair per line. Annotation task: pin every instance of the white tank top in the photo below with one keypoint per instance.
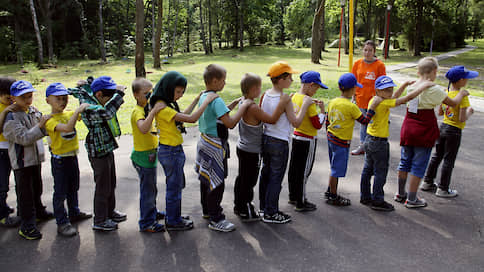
x,y
282,129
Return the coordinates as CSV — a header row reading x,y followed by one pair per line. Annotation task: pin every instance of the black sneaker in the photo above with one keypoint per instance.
x,y
277,218
10,209
305,207
31,234
247,216
10,221
183,225
292,202
118,216
160,215
107,225
366,202
155,228
382,206
81,216
338,201
44,215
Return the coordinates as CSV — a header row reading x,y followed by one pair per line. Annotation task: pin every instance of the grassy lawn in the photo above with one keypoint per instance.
x,y
472,60
255,59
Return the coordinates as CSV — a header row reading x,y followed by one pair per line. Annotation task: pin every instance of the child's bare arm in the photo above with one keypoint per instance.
x,y
234,103
291,116
15,131
441,110
194,103
192,118
415,93
144,125
231,121
465,113
402,87
457,99
71,124
265,117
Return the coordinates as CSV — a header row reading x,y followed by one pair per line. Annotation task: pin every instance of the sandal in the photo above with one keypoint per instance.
x,y
338,201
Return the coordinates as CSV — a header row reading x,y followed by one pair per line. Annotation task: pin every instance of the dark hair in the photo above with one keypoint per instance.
x,y
5,84
109,93
213,71
248,81
279,77
370,43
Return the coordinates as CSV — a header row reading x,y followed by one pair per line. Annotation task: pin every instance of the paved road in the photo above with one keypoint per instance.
x,y
446,236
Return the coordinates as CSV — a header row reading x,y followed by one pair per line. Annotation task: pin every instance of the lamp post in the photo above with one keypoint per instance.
x,y
343,3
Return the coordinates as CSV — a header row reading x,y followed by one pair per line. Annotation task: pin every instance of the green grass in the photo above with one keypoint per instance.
x,y
256,59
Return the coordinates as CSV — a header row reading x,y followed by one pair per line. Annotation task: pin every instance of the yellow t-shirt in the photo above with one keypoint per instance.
x,y
306,126
378,125
451,115
167,130
342,115
141,142
429,98
61,142
2,108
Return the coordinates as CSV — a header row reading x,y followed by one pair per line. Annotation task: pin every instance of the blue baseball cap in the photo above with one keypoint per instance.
x,y
103,83
457,73
21,87
312,77
348,81
56,89
383,82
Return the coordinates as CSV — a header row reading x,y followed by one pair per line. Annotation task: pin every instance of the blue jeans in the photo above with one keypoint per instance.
x,y
338,159
5,170
363,128
377,154
414,159
147,196
65,171
172,158
275,153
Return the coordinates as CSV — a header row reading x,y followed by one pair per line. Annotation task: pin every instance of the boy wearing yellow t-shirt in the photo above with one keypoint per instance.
x,y
64,145
143,156
304,141
340,120
448,143
376,146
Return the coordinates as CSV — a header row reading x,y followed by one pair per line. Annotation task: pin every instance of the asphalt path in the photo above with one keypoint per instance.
x,y
445,236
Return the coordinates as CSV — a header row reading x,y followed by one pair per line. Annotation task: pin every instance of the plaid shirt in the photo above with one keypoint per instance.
x,y
100,139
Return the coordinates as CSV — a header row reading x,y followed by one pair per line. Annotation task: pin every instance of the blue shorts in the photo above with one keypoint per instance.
x,y
338,159
414,159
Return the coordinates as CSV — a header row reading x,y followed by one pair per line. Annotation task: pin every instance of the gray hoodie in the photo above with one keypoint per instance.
x,y
22,133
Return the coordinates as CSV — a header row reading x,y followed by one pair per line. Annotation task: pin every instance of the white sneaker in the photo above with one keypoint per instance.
x,y
446,194
222,225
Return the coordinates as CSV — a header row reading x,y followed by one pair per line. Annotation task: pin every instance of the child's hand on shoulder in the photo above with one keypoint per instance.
x,y
470,111
83,107
408,83
376,101
427,84
43,120
81,82
464,92
319,103
245,104
212,96
285,98
158,106
13,108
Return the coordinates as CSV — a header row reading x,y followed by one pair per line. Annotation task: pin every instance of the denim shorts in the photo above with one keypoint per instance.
x,y
338,159
414,159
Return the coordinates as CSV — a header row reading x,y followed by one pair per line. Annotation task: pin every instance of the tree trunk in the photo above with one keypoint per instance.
x,y
172,47
202,30
316,44
386,48
322,27
210,47
140,56
368,21
37,33
159,24
120,34
20,56
46,11
418,28
241,25
153,27
282,36
101,33
187,27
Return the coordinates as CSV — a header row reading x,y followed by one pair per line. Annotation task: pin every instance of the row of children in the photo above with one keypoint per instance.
x,y
265,131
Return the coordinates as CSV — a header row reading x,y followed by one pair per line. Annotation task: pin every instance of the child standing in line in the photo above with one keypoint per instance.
x,y
143,156
23,130
212,147
249,146
6,106
64,146
275,143
340,121
376,146
105,98
450,134
420,131
304,141
169,122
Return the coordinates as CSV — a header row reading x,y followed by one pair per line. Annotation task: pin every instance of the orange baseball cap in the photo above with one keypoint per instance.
x,y
280,67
